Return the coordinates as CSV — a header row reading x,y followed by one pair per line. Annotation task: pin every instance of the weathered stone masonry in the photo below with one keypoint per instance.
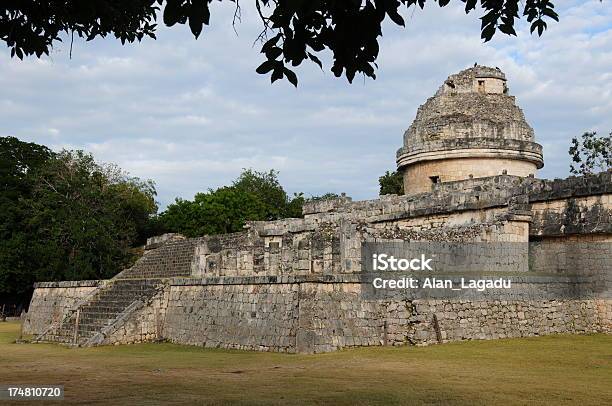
x,y
294,285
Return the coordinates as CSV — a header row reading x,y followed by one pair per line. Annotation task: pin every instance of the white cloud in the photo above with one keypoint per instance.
x,y
191,114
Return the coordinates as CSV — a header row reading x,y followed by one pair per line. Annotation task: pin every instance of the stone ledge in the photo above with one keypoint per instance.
x,y
159,240
325,205
470,142
486,153
356,278
574,186
70,284
265,280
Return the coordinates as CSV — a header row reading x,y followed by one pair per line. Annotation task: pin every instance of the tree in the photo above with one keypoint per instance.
x,y
294,207
66,217
293,30
221,211
18,161
267,188
391,183
86,217
591,154
253,196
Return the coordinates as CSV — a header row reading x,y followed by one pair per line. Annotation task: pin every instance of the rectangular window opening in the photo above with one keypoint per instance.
x,y
434,179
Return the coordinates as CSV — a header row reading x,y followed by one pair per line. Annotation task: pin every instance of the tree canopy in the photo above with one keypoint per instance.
x,y
220,211
391,183
266,187
64,216
292,30
253,196
591,153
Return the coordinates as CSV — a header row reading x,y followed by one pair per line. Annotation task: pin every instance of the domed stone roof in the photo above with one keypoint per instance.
x,y
470,116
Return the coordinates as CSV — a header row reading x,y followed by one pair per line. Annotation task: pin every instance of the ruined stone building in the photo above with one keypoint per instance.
x,y
471,128
295,285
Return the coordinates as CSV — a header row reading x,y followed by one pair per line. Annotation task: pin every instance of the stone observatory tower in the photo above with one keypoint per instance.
x,y
471,127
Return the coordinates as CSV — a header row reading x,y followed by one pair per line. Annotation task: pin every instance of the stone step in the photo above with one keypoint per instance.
x,y
169,260
103,309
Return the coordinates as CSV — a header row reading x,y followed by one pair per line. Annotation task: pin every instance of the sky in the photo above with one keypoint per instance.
x,y
191,114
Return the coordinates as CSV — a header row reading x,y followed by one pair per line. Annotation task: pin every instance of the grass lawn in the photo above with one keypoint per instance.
x,y
553,370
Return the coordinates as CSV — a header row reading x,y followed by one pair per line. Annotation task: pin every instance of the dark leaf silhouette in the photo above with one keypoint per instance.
x,y
591,153
291,76
293,30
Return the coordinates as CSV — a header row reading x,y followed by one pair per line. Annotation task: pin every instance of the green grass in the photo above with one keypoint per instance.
x,y
553,370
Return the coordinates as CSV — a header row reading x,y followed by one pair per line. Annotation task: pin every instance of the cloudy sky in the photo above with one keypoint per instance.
x,y
190,114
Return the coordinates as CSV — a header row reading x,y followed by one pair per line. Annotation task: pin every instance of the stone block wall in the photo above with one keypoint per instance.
x,y
588,215
420,177
490,85
159,240
335,315
328,239
144,324
469,320
586,255
233,312
319,315
51,300
325,313
293,285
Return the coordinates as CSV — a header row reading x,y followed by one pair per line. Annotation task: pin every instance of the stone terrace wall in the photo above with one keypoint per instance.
x,y
292,285
52,299
241,313
463,320
308,314
576,205
321,314
328,239
142,325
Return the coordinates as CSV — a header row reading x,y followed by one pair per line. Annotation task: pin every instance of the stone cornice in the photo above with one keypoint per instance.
x,y
471,148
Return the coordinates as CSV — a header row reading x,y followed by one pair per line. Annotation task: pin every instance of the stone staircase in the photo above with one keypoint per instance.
x,y
91,320
173,259
82,326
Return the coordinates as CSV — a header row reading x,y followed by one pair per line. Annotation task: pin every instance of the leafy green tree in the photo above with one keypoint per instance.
x,y
293,30
391,183
268,190
70,217
86,217
591,154
221,211
18,160
254,196
294,207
